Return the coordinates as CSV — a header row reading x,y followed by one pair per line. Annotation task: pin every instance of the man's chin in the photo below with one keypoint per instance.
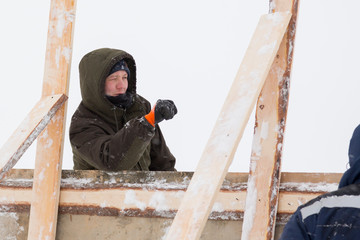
x,y
119,94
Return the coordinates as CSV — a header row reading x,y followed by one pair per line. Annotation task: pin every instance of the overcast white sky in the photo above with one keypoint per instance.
x,y
189,51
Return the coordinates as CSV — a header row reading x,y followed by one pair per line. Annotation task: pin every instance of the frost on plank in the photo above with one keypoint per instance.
x,y
249,215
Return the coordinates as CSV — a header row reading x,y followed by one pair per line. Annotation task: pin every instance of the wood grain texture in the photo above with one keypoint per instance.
x,y
262,195
47,174
156,194
27,132
220,149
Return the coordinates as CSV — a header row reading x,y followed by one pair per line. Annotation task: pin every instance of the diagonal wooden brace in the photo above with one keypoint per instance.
x,y
225,137
264,178
28,131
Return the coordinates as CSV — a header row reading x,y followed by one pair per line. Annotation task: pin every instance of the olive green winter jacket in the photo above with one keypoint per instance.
x,y
110,138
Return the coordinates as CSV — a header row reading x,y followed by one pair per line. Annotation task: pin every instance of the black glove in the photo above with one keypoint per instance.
x,y
164,109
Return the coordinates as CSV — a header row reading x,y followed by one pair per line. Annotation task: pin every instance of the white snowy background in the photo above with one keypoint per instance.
x,y
189,51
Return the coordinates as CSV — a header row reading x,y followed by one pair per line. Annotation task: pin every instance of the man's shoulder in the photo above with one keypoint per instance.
x,y
84,115
140,100
83,111
353,189
346,197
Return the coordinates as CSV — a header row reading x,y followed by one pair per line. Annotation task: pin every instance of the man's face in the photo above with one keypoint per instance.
x,y
116,83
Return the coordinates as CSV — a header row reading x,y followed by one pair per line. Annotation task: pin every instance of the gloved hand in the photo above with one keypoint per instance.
x,y
163,109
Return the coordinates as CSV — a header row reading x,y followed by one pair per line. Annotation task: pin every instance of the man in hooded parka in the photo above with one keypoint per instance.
x,y
335,215
114,128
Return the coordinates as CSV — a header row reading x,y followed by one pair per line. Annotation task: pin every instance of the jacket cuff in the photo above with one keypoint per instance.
x,y
147,124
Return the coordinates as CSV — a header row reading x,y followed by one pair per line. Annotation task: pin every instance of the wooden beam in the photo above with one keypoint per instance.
x,y
27,132
156,194
229,205
262,194
220,149
46,188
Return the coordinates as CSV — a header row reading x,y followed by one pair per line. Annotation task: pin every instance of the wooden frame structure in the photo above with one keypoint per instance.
x,y
270,124
48,162
221,147
263,76
268,58
143,195
47,118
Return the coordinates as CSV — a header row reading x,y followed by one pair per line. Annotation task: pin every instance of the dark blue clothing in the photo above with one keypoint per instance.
x,y
352,175
354,149
335,215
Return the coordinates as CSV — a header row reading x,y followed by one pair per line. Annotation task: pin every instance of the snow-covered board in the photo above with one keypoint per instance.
x,y
264,178
156,194
89,195
221,147
27,132
47,173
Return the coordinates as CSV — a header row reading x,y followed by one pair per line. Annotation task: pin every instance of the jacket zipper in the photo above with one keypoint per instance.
x,y
123,116
117,125
116,121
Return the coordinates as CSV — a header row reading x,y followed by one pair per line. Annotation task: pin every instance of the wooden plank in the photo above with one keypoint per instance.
x,y
47,174
150,180
27,132
220,149
262,194
140,203
155,194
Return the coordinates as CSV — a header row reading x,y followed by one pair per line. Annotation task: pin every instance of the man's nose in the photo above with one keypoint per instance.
x,y
119,84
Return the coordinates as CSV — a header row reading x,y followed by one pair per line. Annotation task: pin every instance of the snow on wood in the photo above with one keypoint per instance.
x,y
28,131
263,190
46,187
223,142
154,194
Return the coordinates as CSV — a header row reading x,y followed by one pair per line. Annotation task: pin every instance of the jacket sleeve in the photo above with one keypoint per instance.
x,y
295,229
161,157
111,151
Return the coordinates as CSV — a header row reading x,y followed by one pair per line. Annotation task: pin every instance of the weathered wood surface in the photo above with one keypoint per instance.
x,y
221,147
27,132
45,196
265,163
156,194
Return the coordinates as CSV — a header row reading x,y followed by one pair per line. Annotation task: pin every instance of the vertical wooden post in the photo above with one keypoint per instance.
x,y
264,178
47,174
220,149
